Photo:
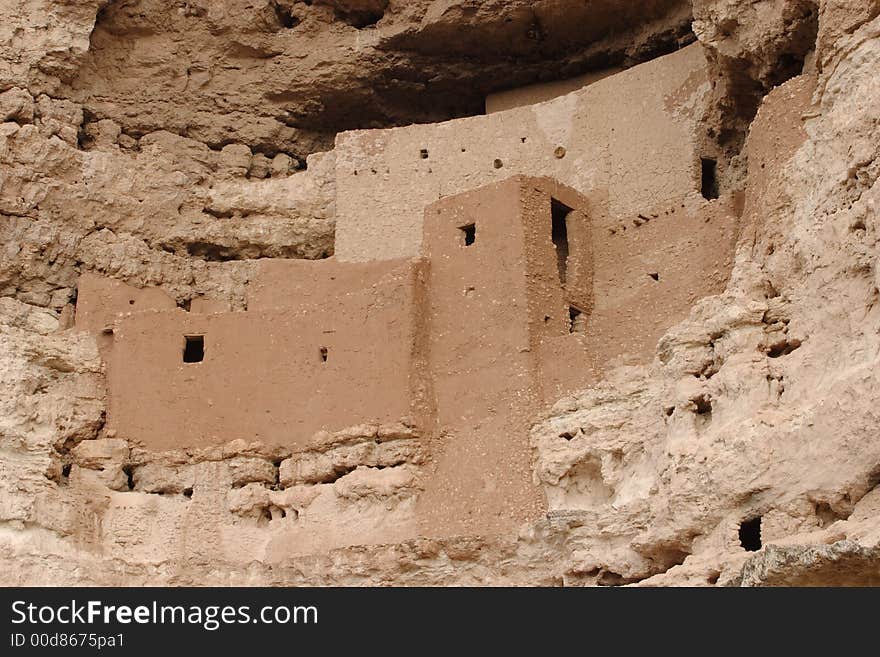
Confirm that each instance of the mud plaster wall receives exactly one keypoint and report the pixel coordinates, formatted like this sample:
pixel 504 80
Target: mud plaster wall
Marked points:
pixel 791 432
pixel 632 134
pixel 473 341
pixel 264 376
pixel 539 93
pixel 478 350
pixel 501 343
pixel 101 300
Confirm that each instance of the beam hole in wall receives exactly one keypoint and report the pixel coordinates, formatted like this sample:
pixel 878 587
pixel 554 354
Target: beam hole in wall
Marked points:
pixel 131 302
pixel 468 234
pixel 423 153
pixel 498 164
pixel 559 212
pixel 577 321
pixel 324 354
pixel 750 534
pixel 655 276
pixel 194 348
pixel 709 184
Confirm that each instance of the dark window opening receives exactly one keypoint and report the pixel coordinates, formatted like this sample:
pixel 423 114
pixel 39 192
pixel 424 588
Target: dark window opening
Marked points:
pixel 577 320
pixel 750 534
pixel 324 353
pixel 128 470
pixel 702 405
pixel 285 16
pixel 470 234
pixel 194 349
pixel 559 213
pixel 783 347
pixel 360 19
pixel 709 184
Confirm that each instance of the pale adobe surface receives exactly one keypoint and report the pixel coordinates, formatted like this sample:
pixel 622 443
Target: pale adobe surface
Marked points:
pixel 792 432
pixel 275 377
pixel 543 91
pixel 633 135
pixel 491 304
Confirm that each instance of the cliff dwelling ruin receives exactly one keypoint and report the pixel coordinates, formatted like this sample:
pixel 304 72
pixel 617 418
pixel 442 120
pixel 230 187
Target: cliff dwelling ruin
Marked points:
pixel 439 292
pixel 458 317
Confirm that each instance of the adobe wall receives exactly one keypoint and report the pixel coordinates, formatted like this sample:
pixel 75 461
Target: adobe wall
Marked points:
pixel 631 134
pixel 688 247
pixel 467 343
pixel 279 283
pixel 501 345
pixel 550 297
pixel 478 353
pixel 632 278
pixel 264 376
pixel 100 300
pixel 544 91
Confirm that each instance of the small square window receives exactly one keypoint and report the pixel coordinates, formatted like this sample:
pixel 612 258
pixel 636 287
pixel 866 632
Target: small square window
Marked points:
pixel 194 349
pixel 469 234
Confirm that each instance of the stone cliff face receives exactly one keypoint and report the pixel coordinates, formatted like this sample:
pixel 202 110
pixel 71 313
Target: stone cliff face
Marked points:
pixel 174 144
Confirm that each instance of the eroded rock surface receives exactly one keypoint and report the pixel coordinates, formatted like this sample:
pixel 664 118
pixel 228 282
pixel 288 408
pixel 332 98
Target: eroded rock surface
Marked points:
pixel 173 144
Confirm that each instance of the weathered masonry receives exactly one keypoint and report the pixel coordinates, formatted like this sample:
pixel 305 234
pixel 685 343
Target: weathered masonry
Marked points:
pixel 325 345
pixel 485 268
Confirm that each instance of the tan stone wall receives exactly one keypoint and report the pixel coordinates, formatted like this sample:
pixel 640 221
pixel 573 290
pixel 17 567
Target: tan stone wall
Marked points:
pixel 281 283
pixel 263 376
pixel 631 134
pixel 539 93
pixel 478 353
pixel 101 300
pixel 466 344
